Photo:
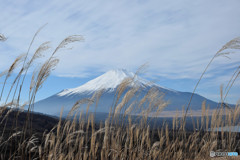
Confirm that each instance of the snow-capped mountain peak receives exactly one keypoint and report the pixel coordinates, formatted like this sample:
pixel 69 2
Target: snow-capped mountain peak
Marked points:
pixel 108 81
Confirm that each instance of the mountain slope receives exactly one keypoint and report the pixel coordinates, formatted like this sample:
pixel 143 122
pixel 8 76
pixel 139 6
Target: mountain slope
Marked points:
pixel 108 83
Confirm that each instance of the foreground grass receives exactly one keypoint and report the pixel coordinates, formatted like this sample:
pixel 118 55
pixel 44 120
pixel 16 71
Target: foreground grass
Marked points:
pixel 78 137
pixel 84 139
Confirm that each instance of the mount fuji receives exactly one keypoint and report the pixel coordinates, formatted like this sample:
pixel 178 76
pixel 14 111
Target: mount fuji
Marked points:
pixel 108 84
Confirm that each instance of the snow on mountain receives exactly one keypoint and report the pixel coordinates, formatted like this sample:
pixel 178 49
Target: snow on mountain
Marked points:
pixel 108 81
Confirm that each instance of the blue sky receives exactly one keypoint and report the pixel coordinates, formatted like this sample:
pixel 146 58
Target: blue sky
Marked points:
pixel 175 38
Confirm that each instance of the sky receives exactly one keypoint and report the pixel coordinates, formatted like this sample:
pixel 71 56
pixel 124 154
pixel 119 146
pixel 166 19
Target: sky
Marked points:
pixel 176 39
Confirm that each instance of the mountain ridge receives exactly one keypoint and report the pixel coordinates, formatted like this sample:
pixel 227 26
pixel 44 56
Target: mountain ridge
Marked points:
pixel 109 82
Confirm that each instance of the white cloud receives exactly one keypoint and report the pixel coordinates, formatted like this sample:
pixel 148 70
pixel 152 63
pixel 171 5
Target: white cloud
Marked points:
pixel 176 38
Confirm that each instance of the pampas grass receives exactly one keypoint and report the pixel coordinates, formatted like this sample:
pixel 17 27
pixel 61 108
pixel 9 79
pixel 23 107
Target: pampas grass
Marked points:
pixel 226 50
pixel 2 37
